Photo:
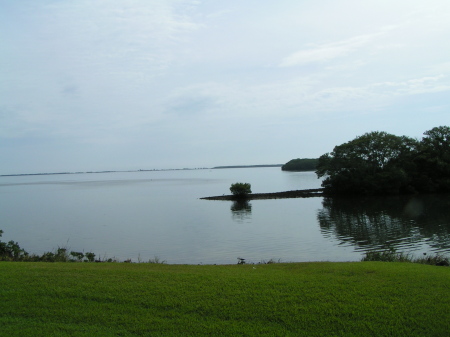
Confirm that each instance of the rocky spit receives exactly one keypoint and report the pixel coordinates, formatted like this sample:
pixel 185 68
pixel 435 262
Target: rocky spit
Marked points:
pixel 318 192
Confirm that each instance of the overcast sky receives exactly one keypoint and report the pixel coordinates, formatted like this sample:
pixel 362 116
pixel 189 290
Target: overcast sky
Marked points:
pixel 144 84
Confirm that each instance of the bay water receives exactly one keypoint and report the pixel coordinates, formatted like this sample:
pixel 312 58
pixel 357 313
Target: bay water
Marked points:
pixel 147 214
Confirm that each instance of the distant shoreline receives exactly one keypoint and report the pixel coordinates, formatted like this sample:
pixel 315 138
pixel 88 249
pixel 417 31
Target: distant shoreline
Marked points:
pixel 97 172
pixel 146 170
pixel 311 193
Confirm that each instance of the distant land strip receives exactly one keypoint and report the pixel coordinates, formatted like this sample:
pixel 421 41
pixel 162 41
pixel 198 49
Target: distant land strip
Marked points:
pixel 146 170
pixel 317 192
pixel 94 172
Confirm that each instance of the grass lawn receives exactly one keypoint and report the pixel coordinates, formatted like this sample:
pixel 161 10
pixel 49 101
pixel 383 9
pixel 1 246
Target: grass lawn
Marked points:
pixel 293 299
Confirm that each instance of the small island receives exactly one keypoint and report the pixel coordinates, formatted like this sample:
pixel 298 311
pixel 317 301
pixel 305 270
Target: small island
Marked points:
pixel 310 193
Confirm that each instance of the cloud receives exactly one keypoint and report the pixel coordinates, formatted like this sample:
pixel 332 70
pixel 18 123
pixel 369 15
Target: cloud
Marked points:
pixel 410 27
pixel 192 105
pixel 329 51
pixel 122 73
pixel 429 84
pixel 113 37
pixel 305 97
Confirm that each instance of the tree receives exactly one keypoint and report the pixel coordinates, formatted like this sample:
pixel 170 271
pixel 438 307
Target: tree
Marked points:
pixel 304 164
pixel 374 163
pixel 240 189
pixel 433 161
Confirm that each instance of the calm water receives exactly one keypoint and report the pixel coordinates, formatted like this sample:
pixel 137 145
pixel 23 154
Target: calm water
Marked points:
pixel 140 215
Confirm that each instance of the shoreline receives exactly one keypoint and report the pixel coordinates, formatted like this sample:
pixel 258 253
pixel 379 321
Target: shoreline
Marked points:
pixel 310 193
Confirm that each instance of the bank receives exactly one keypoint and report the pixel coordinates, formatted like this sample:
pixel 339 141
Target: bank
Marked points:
pixel 286 299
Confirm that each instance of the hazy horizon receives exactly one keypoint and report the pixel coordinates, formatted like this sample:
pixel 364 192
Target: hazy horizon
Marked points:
pixel 142 169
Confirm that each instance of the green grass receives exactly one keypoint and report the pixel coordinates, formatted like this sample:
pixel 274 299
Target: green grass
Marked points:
pixel 294 299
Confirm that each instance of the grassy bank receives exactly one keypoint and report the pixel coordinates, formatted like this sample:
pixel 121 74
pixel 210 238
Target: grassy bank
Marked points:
pixel 298 299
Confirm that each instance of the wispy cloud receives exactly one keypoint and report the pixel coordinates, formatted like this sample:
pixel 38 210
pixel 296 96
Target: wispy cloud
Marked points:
pixel 129 36
pixel 328 51
pixel 429 84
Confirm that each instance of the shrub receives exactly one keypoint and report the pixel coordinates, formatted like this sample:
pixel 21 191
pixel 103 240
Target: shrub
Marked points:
pixel 90 256
pixel 241 189
pixel 390 255
pixel 156 260
pixel 11 251
pixel 77 255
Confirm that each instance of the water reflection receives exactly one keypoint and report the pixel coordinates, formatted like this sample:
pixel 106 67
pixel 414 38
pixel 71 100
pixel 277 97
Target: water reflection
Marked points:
pixel 241 211
pixel 406 223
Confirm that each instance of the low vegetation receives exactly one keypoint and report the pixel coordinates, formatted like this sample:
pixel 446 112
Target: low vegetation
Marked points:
pixel 391 255
pixel 276 299
pixel 241 190
pixel 11 251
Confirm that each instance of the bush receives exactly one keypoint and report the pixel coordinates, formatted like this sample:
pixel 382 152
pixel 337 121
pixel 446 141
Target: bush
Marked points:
pixel 11 251
pixel 241 189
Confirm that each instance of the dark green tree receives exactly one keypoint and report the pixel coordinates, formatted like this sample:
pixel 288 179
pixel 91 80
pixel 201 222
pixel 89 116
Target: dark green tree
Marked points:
pixel 374 163
pixel 304 164
pixel 433 161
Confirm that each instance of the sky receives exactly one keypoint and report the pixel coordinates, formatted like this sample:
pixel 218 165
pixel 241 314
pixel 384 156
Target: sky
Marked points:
pixel 154 84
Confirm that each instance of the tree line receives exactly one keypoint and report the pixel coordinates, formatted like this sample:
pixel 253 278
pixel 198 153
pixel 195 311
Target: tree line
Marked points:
pixel 301 164
pixel 379 163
